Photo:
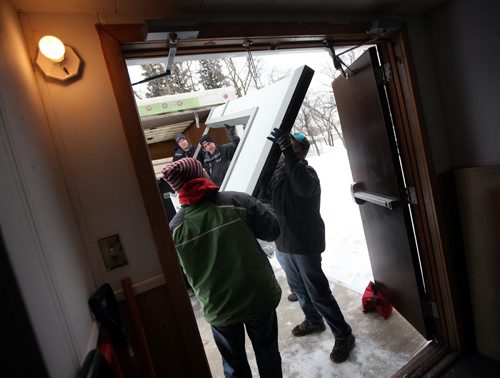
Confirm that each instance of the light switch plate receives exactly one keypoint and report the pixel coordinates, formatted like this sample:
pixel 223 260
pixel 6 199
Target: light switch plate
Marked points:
pixel 112 251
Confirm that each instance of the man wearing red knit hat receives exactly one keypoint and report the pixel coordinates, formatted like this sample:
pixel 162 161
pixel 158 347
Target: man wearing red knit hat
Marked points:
pixel 215 235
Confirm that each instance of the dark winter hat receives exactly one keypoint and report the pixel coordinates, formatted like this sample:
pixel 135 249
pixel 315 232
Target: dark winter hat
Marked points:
pixel 181 171
pixel 302 139
pixel 206 138
pixel 179 136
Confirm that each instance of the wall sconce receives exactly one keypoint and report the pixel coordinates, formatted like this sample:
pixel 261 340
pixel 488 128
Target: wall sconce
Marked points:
pixel 56 60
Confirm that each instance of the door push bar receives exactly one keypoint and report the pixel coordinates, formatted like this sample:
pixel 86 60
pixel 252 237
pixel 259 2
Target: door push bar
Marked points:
pixel 360 197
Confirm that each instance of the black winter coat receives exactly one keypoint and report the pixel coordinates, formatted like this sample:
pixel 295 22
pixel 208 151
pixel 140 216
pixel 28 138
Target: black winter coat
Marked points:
pixel 296 198
pixel 179 153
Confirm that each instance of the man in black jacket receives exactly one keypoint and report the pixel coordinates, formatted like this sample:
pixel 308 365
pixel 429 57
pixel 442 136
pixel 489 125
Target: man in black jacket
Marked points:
pixel 184 149
pixel 218 157
pixel 296 193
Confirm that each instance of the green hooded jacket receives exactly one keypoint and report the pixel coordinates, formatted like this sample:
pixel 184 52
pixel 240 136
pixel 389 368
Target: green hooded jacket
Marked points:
pixel 216 242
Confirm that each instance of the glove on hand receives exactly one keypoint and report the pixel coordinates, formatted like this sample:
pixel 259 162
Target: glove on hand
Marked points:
pixel 281 138
pixel 231 131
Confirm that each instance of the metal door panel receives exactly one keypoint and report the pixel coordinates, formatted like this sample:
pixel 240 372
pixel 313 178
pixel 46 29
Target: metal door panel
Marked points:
pixel 379 188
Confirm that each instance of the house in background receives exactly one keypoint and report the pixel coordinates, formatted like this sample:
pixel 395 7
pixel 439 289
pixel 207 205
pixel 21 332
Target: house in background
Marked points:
pixel 73 168
pixel 163 117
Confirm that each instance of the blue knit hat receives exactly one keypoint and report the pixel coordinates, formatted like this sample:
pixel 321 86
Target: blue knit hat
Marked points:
pixel 302 139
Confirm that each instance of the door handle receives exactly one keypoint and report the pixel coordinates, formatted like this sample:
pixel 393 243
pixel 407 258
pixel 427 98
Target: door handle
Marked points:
pixel 360 197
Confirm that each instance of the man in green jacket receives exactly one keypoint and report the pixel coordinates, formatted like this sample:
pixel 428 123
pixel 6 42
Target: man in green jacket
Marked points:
pixel 215 235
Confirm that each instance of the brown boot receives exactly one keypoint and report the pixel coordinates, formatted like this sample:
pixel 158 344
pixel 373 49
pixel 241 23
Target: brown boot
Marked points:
pixel 342 349
pixel 292 297
pixel 306 328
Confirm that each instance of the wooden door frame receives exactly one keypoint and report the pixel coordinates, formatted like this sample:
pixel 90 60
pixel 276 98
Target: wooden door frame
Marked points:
pixel 409 125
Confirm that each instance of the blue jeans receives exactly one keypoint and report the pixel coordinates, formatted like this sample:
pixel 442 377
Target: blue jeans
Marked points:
pixel 307 280
pixel 263 333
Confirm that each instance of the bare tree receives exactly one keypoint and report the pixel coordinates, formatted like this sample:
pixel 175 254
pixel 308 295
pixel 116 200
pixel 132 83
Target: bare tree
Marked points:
pixel 306 125
pixel 348 58
pixel 179 81
pixel 242 76
pixel 325 115
pixel 277 74
pixel 210 74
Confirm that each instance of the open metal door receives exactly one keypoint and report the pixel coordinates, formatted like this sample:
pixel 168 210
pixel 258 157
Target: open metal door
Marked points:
pixel 379 188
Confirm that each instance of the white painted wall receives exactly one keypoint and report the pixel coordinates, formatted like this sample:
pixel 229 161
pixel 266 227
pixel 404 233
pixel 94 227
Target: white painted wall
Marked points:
pixel 94 155
pixel 67 179
pixel 36 218
pixel 457 56
pixel 428 85
pixel 466 35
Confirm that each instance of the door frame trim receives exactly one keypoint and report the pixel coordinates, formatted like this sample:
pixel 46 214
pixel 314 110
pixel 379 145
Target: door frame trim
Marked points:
pixel 419 173
pixel 404 100
pixel 181 305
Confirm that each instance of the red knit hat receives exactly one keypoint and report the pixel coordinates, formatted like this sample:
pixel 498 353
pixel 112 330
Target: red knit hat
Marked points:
pixel 181 171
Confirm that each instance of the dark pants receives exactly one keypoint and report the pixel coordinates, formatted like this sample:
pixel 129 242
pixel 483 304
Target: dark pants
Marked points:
pixel 307 280
pixel 263 333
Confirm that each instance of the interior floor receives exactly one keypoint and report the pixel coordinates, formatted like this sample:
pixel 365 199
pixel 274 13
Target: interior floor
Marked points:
pixel 382 346
pixel 472 365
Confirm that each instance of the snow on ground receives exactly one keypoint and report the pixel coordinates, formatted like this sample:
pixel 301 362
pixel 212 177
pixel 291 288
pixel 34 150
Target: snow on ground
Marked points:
pixel 346 257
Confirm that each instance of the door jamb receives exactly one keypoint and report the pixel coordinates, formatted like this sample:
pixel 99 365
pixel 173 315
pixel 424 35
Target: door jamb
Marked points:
pixel 420 174
pixel 181 305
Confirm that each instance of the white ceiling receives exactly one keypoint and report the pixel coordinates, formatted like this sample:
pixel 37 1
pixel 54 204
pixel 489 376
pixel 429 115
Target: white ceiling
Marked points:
pixel 211 8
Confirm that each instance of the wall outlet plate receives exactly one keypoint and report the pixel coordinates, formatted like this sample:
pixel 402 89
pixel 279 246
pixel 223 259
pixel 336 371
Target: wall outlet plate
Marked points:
pixel 112 252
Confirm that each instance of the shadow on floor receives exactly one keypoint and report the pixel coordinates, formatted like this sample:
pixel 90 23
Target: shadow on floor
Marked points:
pixel 382 346
pixel 473 366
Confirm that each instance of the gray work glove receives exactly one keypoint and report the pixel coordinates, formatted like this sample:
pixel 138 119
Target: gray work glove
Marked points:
pixel 231 131
pixel 281 138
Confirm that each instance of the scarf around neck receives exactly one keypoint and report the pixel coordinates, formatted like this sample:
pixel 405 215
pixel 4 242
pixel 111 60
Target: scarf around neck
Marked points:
pixel 196 190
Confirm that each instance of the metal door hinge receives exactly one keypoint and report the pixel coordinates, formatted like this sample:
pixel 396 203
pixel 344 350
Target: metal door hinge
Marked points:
pixel 383 74
pixel 411 195
pixel 430 309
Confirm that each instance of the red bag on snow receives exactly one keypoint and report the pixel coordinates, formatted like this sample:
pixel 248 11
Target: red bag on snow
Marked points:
pixel 373 300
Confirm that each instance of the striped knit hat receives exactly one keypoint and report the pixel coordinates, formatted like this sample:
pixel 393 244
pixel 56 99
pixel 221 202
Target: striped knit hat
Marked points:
pixel 181 171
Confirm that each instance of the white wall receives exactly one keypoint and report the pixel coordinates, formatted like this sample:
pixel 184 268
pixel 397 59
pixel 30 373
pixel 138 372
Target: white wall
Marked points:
pixel 428 85
pixel 67 179
pixel 93 152
pixel 37 221
pixel 466 43
pixel 456 54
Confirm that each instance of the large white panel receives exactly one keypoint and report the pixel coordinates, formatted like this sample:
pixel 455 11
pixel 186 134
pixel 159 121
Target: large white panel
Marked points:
pixel 260 111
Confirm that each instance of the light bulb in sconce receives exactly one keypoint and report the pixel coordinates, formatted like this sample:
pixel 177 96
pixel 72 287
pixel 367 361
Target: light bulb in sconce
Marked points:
pixel 56 60
pixel 52 48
